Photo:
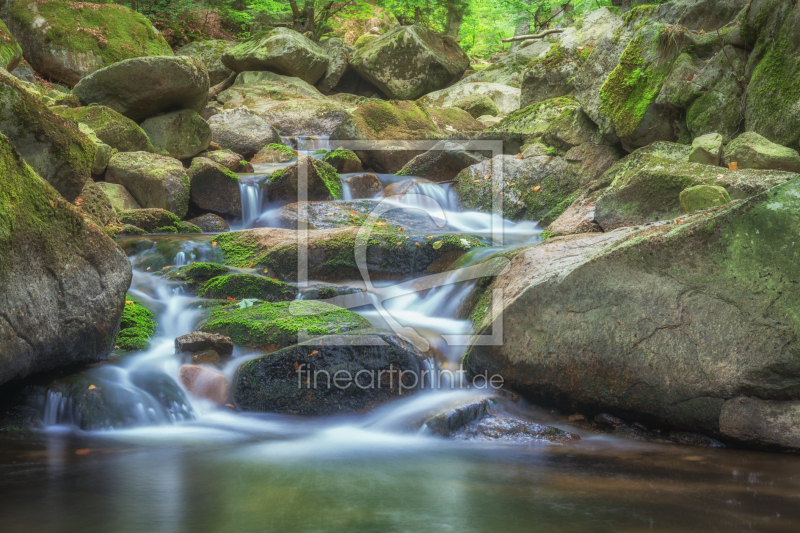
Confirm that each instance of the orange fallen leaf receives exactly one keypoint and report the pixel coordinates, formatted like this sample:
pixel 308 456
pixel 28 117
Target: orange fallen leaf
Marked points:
pixel 537 188
pixel 380 224
pixel 92 387
pixel 230 405
pixel 488 177
pixel 734 165
pixel 518 156
pixel 416 244
pixel 213 243
pixel 314 353
pixel 296 366
pixel 702 32
pixel 83 451
pixel 229 298
pixel 678 221
pixel 401 229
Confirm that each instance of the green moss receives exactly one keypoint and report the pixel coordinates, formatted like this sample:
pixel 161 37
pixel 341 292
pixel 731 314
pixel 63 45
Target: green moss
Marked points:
pixel 283 149
pixel 272 326
pixel 364 40
pixel 196 274
pixel 110 127
pixel 137 326
pixel 331 178
pixel 240 286
pixel 332 157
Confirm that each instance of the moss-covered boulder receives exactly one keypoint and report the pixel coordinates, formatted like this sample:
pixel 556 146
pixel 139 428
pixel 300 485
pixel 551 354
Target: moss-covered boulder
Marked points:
pixel 373 366
pixel 400 121
pixel 242 286
pixel 10 51
pixel 210 52
pixel 477 106
pixel 536 119
pixel 344 161
pixel 363 185
pixel 261 91
pixel 587 322
pixel 322 181
pixel 142 87
pixel 410 61
pixel 55 266
pixel 181 134
pixel 506 99
pixel 155 181
pixel 55 148
pixel 751 150
pixel 210 223
pixel 338 64
pixel 195 275
pixel 67 41
pixel 703 197
pixel 646 188
pixel 305 117
pixel 273 326
pixel 332 253
pixel 364 40
pixel 274 153
pixel 214 187
pixel 707 149
pixel 137 326
pixel 443 162
pixel 103 154
pixel 156 221
pixel 229 159
pixel 279 50
pixel 118 196
pixel 242 131
pixel 95 204
pixel 113 129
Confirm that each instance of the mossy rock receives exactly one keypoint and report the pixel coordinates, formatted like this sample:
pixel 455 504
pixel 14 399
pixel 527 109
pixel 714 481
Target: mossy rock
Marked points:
pixel 137 326
pixel 54 148
pixel 95 204
pixel 751 150
pixel 104 152
pixel 535 119
pixel 196 274
pixel 384 365
pixel 242 286
pixel 156 221
pixel 67 41
pixel 274 153
pixel 272 326
pixel 242 131
pixel 55 265
pixel 706 149
pixel 210 52
pixel 10 51
pixel 477 106
pixel 180 134
pixel 261 91
pixel 305 116
pixel 344 161
pixel 210 223
pixel 214 187
pixel 113 129
pixel 364 40
pixel 155 181
pixel 323 181
pixel 703 197
pixel 506 99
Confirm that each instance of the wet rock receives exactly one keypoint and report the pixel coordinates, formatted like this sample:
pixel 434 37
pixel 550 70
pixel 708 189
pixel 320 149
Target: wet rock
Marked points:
pixel 279 50
pixel 274 153
pixel 210 52
pixel 443 162
pixel 230 160
pixel 198 342
pixel 120 198
pixel 513 431
pixel 578 218
pixel 214 188
pixel 364 185
pixel 242 286
pixel 694 439
pixel 322 180
pixel 770 424
pixel 155 181
pixel 242 131
pixel 203 382
pixel 608 421
pixel 448 423
pixel 504 98
pixel 181 134
pixel 373 366
pixel 49 41
pixel 112 128
pixel 205 357
pixel 210 223
pixel 137 326
pixel 273 326
pixel 751 150
pixel 156 221
pixel 326 292
pixel 428 62
pixel 706 149
pixel 305 116
pixel 344 161
pixel 703 197
pixel 196 274
pixel 142 87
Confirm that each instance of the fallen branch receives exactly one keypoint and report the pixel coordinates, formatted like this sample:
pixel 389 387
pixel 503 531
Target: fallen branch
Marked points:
pixel 533 36
pixel 223 86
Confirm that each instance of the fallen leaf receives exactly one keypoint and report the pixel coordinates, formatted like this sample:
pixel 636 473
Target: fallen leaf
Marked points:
pixel 702 32
pixel 230 405
pixel 518 156
pixel 213 243
pixel 380 224
pixel 488 177
pixel 416 244
pixel 83 451
pixel 296 366
pixel 314 353
pixel 92 387
pixel 437 245
pixel 537 188
pixel 401 229
pixel 229 298
pixel 733 166
pixel 678 221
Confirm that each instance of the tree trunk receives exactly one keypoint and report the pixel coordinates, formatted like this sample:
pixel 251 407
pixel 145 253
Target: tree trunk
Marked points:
pixel 417 15
pixel 455 16
pixel 523 27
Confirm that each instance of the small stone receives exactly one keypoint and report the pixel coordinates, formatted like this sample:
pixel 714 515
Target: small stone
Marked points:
pixel 206 357
pixel 607 420
pixel 364 185
pixel 199 341
pixel 202 382
pixel 210 223
pixel 577 418
pixel 706 149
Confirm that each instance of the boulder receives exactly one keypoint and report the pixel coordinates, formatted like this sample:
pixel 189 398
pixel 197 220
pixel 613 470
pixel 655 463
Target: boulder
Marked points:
pixel 214 187
pixel 191 277
pixel 364 40
pixel 247 286
pixel 118 196
pixel 508 430
pixel 68 41
pixel 588 321
pixel 322 181
pixel 332 252
pixel 206 357
pixel 210 223
pixel 350 373
pixel 305 117
pixel 410 61
pixel 261 91
pixel 156 221
pixel 205 383
pixel 230 160
pixel 337 64
pixel 95 204
pixel 10 51
pixel 706 149
pixel 113 129
pixel 210 52
pixel 443 162
pixel 364 186
pixel 155 181
pixel 274 153
pixel 273 326
pixel 56 150
pixel 63 279
pixel 279 50
pixel 703 197
pixel 551 74
pixel 103 154
pixel 348 213
pixel 136 327
pixel 181 134
pixel 646 188
pixel 477 106
pixel 344 161
pixel 242 131
pixel 751 150
pixel 24 72
pixel 506 99
pixel 146 86
pixel 199 341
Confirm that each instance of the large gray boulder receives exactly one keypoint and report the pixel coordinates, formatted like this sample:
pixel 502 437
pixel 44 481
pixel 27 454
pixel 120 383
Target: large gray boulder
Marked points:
pixel 214 188
pixel 751 150
pixel 306 117
pixel 410 61
pixel 142 87
pixel 64 281
pixel 688 325
pixel 242 131
pixel 504 97
pixel 279 50
pixel 210 52
pixel 155 181
pixel 338 64
pixel 68 41
pixel 181 134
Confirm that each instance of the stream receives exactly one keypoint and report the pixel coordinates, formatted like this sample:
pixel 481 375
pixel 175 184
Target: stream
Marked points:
pixel 196 467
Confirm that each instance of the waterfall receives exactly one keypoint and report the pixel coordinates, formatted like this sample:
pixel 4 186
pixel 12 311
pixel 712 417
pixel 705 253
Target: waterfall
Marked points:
pixel 252 199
